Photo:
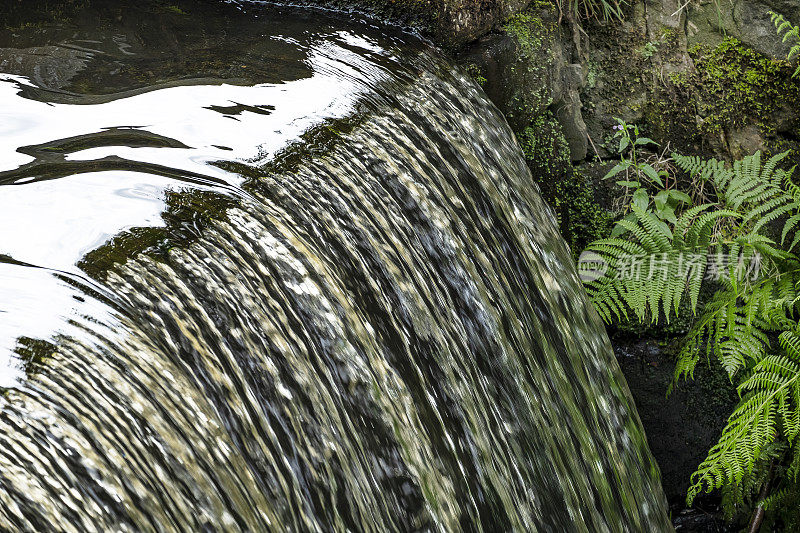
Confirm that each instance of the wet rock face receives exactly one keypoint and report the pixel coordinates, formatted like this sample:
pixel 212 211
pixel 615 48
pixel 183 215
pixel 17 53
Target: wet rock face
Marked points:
pixel 48 66
pixel 526 68
pixel 680 427
pixel 450 23
pixel 747 20
pixel 708 78
pixel 462 21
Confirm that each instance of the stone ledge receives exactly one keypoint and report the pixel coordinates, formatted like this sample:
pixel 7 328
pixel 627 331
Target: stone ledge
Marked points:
pixel 449 23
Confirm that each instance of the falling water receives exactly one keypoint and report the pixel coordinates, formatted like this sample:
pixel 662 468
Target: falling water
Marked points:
pixel 269 270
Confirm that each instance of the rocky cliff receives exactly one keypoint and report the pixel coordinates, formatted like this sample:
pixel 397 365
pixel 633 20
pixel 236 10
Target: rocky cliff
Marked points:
pixel 706 78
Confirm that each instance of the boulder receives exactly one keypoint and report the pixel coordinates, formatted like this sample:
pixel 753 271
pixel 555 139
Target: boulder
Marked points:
pixel 526 69
pixel 747 20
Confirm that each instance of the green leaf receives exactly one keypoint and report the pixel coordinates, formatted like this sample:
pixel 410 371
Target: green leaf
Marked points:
pixel 651 173
pixel 663 228
pixel 661 200
pixel 644 140
pixel 667 213
pixel 641 199
pixel 623 143
pixel 679 196
pixel 629 184
pixel 617 169
pixel 620 229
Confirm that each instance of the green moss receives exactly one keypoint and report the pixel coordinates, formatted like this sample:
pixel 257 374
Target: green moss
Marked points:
pixel 547 152
pixel 736 86
pixel 616 84
pixel 476 73
pixel 15 16
pixel 670 41
pixel 733 87
pixel 545 148
pixel 649 49
pixel 591 75
pixel 173 9
pixel 580 218
pixel 33 353
pixel 533 36
pixel 669 117
pixel 187 214
pixel 527 28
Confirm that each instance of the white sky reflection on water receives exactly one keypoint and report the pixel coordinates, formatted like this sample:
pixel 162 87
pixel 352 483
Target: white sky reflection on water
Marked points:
pixel 36 304
pixel 180 113
pixel 95 207
pixel 54 223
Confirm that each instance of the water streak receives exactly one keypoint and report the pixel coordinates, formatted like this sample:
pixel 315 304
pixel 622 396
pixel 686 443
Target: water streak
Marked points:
pixel 367 323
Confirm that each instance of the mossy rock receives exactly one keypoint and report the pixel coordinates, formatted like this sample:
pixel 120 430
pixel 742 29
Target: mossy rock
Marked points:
pixel 710 22
pixel 515 66
pixel 450 23
pixel 15 14
pixel 572 194
pixel 735 102
pixel 738 85
pixel 619 78
pixel 525 68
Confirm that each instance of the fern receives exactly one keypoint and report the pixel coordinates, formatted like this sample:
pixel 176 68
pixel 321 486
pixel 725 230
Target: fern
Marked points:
pixel 791 33
pixel 745 240
pixel 770 406
pixel 652 278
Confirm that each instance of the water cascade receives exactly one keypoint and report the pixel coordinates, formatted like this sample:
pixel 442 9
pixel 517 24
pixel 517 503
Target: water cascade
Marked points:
pixel 263 269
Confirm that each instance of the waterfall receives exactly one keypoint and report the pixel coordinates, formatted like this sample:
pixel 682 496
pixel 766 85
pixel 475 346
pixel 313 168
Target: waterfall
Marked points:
pixel 363 318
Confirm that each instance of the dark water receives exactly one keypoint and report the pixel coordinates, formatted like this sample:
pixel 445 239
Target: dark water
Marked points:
pixel 270 270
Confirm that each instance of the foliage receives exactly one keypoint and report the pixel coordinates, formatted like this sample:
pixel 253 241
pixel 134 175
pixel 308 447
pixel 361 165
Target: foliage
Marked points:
pixel 637 172
pixel 591 9
pixel 790 33
pixel 649 49
pixel 735 86
pixel 742 241
pixel 619 291
pixel 580 218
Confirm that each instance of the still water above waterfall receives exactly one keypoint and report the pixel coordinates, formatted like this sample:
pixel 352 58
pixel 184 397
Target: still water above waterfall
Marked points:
pixel 266 269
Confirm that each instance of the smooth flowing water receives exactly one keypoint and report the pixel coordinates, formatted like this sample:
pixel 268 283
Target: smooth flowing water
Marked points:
pixel 272 270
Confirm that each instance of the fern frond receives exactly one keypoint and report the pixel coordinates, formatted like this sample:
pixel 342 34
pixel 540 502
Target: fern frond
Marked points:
pixel 770 406
pixel 791 33
pixel 699 234
pixel 749 429
pixel 790 224
pixel 703 169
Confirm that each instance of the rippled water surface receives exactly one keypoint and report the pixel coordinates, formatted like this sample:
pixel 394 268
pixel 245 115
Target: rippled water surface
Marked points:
pixel 264 269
